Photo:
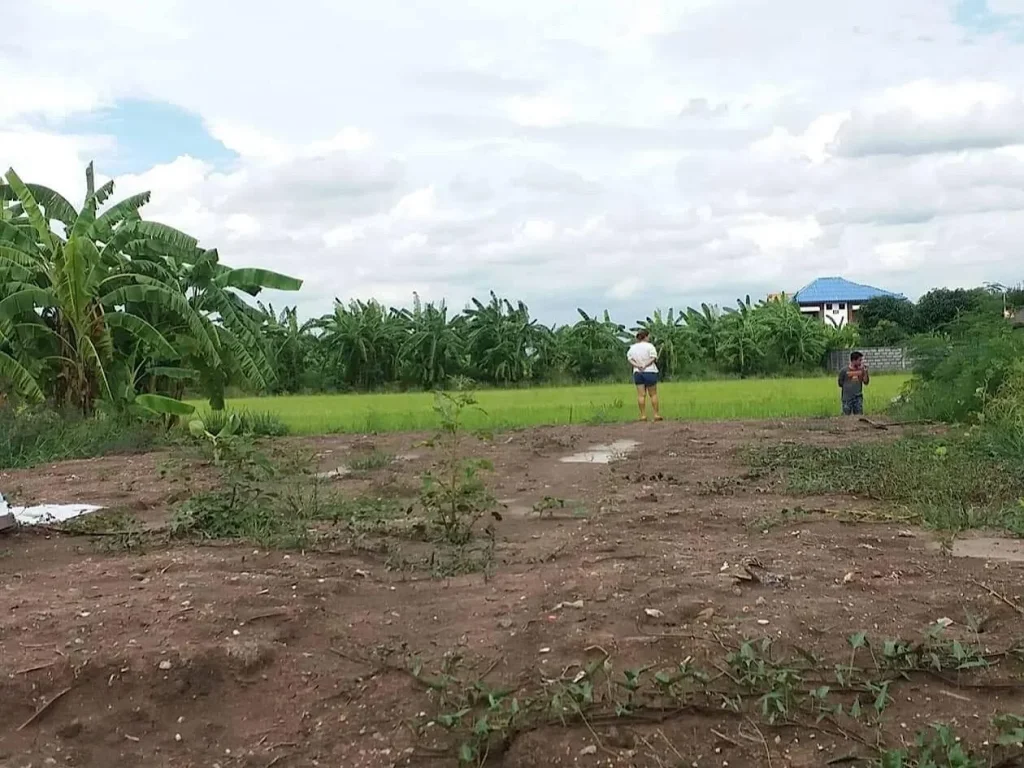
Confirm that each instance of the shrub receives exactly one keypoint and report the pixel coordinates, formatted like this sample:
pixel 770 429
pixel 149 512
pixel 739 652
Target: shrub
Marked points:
pixel 959 372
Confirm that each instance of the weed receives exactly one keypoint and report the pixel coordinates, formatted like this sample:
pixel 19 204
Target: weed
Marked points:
pixel 453 496
pixel 248 503
pixel 482 719
pixel 371 461
pixel 953 483
pixel 366 514
pixel 549 504
pixel 770 520
pixel 116 530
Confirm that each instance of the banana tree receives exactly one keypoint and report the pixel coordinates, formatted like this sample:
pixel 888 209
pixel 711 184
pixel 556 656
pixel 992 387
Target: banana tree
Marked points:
pixel 68 290
pixel 597 347
pixel 743 333
pixel 504 342
pixel 289 346
pixel 675 339
pixel 230 325
pixel 363 342
pixel 797 340
pixel 434 347
pixel 706 325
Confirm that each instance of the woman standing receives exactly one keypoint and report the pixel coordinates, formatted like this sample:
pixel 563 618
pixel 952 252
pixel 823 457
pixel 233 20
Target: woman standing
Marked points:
pixel 643 357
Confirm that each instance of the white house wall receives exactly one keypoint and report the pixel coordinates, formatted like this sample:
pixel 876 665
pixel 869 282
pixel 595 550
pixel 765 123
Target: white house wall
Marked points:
pixel 836 314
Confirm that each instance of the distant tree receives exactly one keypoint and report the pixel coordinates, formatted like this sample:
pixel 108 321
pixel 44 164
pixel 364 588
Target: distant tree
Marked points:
pixel 886 333
pixel 941 306
pixel 888 309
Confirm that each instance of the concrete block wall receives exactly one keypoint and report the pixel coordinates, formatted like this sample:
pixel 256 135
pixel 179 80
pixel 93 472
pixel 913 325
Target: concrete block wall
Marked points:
pixel 878 359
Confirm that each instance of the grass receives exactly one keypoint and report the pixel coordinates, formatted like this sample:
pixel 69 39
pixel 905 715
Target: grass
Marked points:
pixel 953 483
pixel 692 401
pixel 39 436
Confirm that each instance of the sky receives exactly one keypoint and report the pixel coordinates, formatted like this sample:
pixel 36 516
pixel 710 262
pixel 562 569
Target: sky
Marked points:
pixel 619 154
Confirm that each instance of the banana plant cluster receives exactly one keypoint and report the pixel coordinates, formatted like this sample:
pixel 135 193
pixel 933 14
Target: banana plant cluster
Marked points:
pixel 364 345
pixel 97 304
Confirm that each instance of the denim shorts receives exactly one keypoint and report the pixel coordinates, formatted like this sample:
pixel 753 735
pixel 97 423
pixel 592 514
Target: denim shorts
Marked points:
pixel 645 379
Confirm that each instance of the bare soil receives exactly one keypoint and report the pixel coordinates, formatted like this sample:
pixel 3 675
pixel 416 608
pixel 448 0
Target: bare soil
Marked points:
pixel 230 655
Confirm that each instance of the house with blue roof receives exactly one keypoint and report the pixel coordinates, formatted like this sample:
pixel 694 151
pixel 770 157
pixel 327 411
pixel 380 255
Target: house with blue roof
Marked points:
pixel 836 301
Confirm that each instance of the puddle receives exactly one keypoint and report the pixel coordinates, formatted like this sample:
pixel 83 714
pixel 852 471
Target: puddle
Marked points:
pixel 1009 550
pixel 602 454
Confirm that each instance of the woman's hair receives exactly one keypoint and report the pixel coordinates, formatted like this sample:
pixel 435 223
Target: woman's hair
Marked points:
pixel 642 335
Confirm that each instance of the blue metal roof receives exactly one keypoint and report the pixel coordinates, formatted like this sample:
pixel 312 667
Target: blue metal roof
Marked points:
pixel 838 289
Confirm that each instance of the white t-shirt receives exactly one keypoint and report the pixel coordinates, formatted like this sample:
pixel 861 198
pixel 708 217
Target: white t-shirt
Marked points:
pixel 642 356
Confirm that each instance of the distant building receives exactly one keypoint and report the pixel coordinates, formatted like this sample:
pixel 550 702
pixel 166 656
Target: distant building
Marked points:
pixel 836 301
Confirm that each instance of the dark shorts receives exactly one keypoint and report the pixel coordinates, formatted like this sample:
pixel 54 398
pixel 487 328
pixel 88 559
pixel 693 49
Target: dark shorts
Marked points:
pixel 648 380
pixel 854 406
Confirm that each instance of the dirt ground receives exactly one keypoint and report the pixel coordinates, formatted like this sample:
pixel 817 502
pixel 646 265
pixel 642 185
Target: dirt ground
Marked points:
pixel 230 655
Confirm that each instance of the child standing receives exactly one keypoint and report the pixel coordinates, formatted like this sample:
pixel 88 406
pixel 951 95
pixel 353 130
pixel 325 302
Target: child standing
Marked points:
pixel 852 381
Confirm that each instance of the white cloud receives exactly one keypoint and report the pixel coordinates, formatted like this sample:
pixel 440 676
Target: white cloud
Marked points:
pixel 927 116
pixel 660 152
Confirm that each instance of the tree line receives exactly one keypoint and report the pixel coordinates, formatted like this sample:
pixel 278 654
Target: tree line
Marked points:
pixel 363 345
pixel 98 305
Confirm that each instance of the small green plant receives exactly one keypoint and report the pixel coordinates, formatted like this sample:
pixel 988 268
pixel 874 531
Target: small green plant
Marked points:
pixel 936 747
pixel 453 495
pixel 247 422
pixel 771 520
pixel 371 461
pixel 218 436
pixel 482 719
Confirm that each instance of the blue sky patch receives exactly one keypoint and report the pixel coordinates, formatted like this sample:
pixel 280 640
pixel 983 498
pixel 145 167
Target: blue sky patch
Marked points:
pixel 977 16
pixel 147 133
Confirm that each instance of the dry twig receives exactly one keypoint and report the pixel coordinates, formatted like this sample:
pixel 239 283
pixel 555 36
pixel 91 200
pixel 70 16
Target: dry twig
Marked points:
pixel 44 709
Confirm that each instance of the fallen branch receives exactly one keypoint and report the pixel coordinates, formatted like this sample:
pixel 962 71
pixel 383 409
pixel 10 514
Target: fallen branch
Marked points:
pixel 998 596
pixel 36 668
pixel 880 425
pixel 44 709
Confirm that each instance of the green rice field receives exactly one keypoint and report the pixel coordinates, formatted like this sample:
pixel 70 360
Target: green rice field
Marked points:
pixel 501 409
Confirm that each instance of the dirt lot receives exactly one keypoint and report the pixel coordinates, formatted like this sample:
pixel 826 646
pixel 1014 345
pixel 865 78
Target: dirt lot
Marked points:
pixel 230 655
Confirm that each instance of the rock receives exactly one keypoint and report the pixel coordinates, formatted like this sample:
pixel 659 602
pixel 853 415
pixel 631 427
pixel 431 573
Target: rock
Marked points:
pixel 164 665
pixel 589 750
pixel 706 614
pixel 654 613
pixel 573 604
pixel 71 730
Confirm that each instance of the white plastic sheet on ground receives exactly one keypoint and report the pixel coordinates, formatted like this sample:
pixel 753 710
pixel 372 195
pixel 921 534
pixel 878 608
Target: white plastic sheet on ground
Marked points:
pixel 46 514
